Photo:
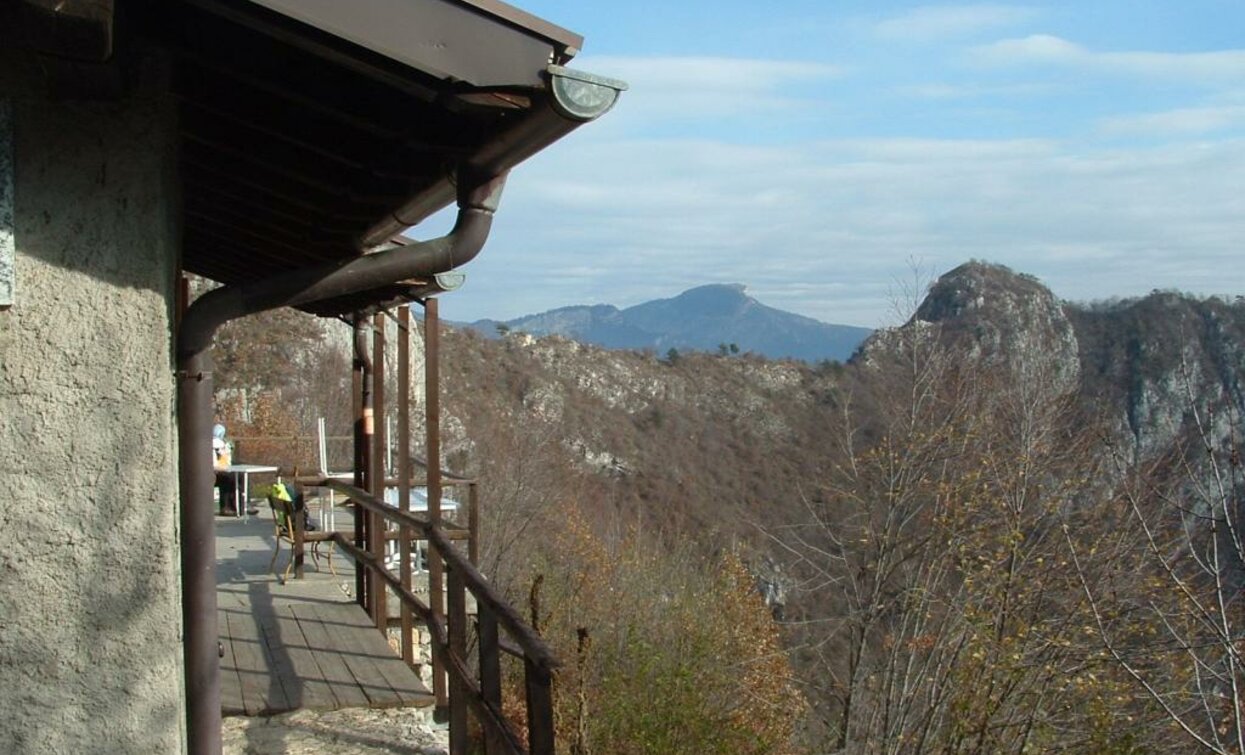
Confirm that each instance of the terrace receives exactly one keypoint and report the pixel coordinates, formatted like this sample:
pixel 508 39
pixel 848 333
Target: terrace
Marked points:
pixel 308 137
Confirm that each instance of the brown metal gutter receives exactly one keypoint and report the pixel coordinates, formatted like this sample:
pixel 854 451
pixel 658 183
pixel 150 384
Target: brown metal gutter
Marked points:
pixel 477 203
pixel 553 117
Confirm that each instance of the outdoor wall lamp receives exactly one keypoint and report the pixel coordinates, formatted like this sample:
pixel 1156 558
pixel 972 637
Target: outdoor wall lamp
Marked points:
pixel 583 96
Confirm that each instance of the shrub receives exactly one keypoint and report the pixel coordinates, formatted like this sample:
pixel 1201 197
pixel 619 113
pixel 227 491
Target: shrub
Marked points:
pixel 684 656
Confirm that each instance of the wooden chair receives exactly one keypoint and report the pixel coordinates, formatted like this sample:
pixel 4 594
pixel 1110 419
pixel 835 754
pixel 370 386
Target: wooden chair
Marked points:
pixel 288 526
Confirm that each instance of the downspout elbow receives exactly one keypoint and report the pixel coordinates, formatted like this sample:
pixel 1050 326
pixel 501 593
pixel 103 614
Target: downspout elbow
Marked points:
pixel 477 202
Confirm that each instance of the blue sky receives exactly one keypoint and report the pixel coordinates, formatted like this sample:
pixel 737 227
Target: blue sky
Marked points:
pixel 814 151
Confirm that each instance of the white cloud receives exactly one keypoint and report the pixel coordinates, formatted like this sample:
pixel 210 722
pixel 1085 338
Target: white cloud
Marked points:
pixel 1035 47
pixel 823 228
pixel 1182 121
pixel 947 91
pixel 936 22
pixel 1202 67
pixel 717 74
pixel 1215 68
pixel 665 89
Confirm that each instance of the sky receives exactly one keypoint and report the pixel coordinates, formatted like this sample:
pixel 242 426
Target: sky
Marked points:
pixel 828 154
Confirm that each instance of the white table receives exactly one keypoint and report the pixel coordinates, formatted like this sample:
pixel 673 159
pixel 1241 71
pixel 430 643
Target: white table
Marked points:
pixel 419 505
pixel 242 493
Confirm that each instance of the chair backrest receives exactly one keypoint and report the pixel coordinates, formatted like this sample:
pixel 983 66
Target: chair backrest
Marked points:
pixel 282 515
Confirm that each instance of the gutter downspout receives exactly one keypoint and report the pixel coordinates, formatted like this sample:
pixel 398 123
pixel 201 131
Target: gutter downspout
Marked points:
pixel 574 98
pixel 478 196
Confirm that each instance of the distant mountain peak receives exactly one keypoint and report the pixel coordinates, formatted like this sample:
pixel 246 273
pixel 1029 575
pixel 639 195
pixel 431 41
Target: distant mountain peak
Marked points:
pixel 712 300
pixel 723 288
pixel 703 318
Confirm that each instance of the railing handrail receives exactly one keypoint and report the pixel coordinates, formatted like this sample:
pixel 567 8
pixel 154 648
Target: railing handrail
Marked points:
pixel 317 481
pixel 447 477
pixel 441 636
pixel 534 647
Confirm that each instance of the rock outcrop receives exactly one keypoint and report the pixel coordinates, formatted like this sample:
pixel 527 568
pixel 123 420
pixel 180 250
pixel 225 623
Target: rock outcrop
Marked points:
pixel 1147 369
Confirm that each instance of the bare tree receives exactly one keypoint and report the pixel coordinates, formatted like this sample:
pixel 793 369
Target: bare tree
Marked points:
pixel 1165 588
pixel 939 610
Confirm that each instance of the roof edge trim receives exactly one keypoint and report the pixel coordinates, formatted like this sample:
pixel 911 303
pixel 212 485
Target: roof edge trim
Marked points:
pixel 571 42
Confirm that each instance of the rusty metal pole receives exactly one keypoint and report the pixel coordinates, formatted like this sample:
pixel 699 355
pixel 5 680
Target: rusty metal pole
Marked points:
pixel 377 525
pixel 404 473
pixel 183 299
pixel 432 406
pixel 362 432
pixel 198 553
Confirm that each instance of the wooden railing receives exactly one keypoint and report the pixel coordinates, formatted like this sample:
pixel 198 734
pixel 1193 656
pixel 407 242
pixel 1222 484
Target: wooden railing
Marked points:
pixel 480 695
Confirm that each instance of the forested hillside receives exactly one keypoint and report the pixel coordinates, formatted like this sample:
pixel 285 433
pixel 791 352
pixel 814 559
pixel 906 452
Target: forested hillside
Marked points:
pixel 1009 524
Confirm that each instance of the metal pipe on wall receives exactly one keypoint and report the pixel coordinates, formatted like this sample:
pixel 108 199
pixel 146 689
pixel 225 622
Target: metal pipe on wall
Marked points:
pixel 198 554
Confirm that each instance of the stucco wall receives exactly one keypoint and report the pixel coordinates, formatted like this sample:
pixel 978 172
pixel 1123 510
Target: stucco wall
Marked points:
pixel 90 657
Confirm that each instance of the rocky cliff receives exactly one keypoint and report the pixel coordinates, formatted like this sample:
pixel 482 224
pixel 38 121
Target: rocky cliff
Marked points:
pixel 1147 369
pixel 716 441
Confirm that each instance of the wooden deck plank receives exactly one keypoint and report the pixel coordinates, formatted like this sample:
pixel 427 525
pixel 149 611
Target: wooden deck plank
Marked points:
pixel 280 666
pixel 384 676
pixel 311 687
pixel 245 669
pixel 328 655
pixel 350 643
pixel 246 666
pixel 263 690
pixel 304 644
pixel 282 687
pixel 232 701
pixel 401 677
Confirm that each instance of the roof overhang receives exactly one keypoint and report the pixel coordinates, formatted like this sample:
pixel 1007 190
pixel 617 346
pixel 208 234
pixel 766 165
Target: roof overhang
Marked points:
pixel 315 131
pixel 481 43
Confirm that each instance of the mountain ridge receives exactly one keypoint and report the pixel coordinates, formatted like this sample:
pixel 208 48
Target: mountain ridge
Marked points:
pixel 701 318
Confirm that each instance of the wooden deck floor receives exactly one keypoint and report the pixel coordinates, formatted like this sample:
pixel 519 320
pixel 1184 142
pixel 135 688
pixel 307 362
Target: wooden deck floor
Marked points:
pixel 304 644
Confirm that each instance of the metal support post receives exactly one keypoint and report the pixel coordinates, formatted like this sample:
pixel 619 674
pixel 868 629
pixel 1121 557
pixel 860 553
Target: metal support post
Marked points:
pixel 432 404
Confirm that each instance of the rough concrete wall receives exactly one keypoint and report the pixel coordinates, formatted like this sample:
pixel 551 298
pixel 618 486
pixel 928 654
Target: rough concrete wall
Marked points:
pixel 90 620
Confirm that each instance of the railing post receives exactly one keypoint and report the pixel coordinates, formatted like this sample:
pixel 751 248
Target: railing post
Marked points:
pixel 362 442
pixel 377 526
pixel 432 405
pixel 456 617
pixel 539 684
pixel 490 667
pixel 451 630
pixel 297 530
pixel 473 523
pixel 404 474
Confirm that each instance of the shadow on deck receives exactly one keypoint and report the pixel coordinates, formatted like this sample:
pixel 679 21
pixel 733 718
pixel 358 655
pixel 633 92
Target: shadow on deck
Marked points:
pixel 301 645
